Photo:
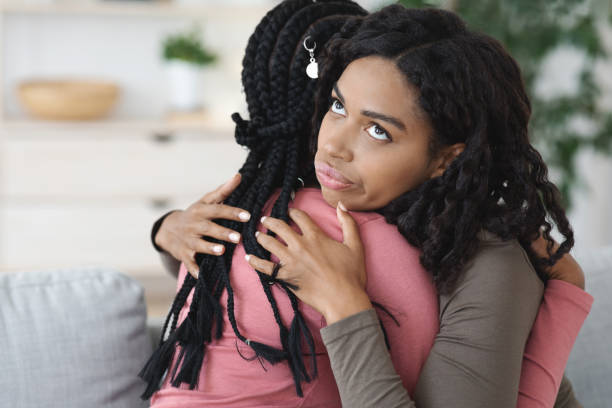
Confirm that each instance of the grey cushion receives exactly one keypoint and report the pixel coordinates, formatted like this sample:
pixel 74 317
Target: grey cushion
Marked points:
pixel 72 338
pixel 590 364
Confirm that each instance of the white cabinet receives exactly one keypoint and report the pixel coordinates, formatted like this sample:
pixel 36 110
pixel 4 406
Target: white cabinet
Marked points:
pixel 84 193
pixel 83 197
pixel 124 165
pixel 89 195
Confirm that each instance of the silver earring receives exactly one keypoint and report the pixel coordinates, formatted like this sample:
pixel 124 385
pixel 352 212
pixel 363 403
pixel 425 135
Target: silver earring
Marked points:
pixel 312 70
pixel 293 191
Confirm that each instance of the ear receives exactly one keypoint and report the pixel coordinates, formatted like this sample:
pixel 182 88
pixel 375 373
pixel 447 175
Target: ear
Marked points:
pixel 445 158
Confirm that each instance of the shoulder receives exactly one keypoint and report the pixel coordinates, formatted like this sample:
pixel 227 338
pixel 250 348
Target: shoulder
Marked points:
pixel 498 275
pixel 498 260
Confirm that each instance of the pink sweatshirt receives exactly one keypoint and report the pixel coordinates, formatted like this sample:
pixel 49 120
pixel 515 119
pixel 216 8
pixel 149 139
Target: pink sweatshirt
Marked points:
pixel 395 279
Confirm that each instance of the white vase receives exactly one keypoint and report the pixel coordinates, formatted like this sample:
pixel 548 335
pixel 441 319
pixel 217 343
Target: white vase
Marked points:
pixel 184 85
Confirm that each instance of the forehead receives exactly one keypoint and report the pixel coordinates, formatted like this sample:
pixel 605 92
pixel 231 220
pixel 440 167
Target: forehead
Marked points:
pixel 375 83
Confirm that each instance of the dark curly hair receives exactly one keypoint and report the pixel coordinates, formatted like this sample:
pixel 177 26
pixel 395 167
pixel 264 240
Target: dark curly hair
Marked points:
pixel 279 96
pixel 472 92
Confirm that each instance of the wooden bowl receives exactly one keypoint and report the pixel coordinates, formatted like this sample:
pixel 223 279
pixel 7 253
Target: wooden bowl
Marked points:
pixel 68 99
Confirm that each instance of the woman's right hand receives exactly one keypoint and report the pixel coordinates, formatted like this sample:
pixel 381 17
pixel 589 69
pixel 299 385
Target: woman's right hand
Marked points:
pixel 181 232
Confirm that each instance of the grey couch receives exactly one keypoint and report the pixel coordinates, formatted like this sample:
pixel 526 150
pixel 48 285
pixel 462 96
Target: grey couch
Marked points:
pixel 72 338
pixel 78 337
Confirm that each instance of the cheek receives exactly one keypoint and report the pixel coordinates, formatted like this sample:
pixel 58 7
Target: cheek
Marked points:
pixel 391 175
pixel 324 130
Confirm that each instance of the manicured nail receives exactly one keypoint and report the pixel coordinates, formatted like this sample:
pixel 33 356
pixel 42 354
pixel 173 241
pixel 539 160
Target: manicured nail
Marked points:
pixel 247 257
pixel 342 207
pixel 257 233
pixel 262 219
pixel 218 248
pixel 234 236
pixel 244 216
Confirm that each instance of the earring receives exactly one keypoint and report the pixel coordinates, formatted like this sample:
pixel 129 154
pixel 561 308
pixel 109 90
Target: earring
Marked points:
pixel 312 70
pixel 301 180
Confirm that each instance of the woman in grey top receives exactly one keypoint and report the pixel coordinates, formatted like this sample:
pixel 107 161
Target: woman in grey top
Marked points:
pixel 468 118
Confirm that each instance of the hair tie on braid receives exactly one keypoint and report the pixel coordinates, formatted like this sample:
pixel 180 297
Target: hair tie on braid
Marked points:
pixel 249 132
pixel 246 133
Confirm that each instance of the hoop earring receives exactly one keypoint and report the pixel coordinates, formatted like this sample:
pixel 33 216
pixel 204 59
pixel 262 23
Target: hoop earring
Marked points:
pixel 312 70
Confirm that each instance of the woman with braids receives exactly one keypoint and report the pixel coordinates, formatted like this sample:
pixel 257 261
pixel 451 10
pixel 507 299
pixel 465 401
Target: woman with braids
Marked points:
pixel 448 215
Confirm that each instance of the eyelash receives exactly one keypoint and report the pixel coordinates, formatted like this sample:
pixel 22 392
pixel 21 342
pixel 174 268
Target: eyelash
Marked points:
pixel 333 100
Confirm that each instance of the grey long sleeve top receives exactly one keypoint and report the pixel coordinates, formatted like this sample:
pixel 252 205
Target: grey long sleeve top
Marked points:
pixel 476 357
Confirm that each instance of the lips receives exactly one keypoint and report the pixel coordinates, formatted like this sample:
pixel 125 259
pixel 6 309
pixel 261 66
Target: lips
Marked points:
pixel 331 177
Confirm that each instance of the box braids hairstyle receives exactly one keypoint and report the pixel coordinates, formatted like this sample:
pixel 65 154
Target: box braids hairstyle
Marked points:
pixel 280 100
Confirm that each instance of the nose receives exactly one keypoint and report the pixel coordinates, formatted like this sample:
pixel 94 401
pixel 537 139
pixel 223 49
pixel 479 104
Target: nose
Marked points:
pixel 338 143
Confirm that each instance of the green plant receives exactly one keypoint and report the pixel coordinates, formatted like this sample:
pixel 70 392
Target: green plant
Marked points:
pixel 531 30
pixel 188 47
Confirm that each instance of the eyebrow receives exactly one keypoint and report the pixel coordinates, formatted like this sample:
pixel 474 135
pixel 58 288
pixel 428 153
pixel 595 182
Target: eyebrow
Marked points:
pixel 376 115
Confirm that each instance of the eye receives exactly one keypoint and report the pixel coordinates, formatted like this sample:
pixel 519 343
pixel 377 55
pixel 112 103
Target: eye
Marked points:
pixel 337 107
pixel 379 133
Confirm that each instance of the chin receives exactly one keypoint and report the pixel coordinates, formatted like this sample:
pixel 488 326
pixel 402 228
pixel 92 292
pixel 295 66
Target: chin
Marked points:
pixel 330 196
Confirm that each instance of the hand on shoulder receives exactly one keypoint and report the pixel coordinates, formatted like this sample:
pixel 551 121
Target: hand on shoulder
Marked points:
pixel 566 268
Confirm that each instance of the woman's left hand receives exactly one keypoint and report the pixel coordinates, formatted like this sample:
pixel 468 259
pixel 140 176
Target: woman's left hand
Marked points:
pixel 326 274
pixel 565 269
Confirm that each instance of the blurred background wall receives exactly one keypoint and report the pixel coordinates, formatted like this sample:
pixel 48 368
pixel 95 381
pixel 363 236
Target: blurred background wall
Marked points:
pixel 86 189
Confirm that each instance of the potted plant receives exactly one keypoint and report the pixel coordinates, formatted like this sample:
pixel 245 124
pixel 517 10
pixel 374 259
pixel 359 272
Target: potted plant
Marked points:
pixel 185 57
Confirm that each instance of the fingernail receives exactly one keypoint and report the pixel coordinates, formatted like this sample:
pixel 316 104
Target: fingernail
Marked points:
pixel 247 257
pixel 244 216
pixel 342 207
pixel 262 219
pixel 256 233
pixel 234 236
pixel 218 249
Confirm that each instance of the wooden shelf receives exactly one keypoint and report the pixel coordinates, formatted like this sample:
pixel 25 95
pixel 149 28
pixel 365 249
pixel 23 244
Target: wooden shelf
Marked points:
pixel 204 123
pixel 162 9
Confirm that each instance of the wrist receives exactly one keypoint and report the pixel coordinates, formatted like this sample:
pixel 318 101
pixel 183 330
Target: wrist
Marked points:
pixel 568 270
pixel 156 238
pixel 355 303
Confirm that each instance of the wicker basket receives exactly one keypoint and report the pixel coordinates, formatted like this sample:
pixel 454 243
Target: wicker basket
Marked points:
pixel 68 99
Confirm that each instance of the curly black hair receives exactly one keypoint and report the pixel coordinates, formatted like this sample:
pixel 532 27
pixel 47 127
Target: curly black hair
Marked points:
pixel 472 92
pixel 279 97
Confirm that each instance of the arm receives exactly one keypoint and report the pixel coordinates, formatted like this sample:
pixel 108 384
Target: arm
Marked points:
pixel 170 263
pixel 562 312
pixel 361 363
pixel 179 234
